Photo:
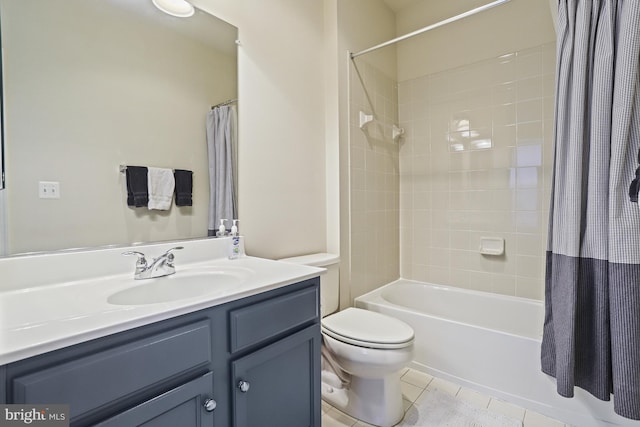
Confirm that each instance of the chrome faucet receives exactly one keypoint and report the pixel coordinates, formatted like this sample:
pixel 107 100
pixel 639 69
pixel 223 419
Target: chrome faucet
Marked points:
pixel 161 266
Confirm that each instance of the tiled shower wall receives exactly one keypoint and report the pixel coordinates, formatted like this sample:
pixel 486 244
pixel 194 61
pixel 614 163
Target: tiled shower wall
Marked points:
pixel 475 162
pixel 374 180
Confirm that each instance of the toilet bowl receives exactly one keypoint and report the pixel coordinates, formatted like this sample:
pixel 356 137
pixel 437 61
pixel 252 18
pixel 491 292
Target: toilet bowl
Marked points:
pixel 363 353
pixel 371 348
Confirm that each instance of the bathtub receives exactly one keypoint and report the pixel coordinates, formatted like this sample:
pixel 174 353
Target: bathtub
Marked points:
pixel 486 342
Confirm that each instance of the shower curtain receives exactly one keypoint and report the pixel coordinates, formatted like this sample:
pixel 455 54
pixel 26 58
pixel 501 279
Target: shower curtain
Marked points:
pixel 592 292
pixel 221 141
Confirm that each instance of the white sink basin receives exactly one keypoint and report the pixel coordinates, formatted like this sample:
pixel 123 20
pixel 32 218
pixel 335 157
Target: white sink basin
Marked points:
pixel 183 284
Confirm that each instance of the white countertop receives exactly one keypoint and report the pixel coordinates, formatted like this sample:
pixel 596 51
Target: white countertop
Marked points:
pixel 38 319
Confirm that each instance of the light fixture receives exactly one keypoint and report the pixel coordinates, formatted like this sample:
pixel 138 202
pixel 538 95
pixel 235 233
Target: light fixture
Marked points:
pixel 179 8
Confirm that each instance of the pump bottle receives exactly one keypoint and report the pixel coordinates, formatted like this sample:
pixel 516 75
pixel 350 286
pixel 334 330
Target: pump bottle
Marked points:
pixel 222 230
pixel 234 245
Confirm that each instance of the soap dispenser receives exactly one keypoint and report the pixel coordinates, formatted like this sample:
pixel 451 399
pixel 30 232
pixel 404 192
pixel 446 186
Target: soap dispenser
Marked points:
pixel 234 245
pixel 222 230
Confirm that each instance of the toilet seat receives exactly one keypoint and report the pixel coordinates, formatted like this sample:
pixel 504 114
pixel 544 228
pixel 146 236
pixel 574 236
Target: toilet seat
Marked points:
pixel 369 329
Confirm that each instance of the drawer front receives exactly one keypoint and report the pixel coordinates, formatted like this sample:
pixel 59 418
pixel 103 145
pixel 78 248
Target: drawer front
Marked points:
pixel 92 381
pixel 264 320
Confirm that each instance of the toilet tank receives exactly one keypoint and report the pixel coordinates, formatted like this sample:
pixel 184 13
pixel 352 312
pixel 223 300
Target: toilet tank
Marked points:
pixel 329 282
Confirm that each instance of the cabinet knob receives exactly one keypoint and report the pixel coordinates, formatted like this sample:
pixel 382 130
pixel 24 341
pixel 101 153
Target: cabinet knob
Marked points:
pixel 244 386
pixel 210 405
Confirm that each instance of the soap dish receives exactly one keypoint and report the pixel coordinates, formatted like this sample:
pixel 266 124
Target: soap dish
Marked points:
pixel 492 246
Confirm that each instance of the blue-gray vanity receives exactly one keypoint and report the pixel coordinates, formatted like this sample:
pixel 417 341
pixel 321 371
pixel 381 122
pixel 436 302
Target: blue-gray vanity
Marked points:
pixel 243 358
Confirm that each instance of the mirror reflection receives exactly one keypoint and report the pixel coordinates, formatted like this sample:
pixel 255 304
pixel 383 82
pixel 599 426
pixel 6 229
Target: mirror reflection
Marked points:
pixel 90 85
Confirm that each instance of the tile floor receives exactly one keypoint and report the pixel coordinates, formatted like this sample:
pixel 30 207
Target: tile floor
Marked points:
pixel 414 384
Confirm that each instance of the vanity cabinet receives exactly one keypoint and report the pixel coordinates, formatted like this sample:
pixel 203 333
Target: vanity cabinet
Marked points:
pixel 272 382
pixel 263 393
pixel 237 364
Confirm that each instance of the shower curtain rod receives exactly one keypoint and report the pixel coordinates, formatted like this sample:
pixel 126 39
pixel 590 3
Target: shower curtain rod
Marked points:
pixel 431 27
pixel 230 101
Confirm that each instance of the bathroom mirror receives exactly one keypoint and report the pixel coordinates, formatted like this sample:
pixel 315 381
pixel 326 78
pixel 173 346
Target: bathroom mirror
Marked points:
pixel 90 85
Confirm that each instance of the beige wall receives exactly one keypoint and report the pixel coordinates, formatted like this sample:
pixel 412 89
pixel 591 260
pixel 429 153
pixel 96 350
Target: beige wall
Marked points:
pixel 366 23
pixel 513 26
pixel 282 182
pixel 333 58
pixel 152 113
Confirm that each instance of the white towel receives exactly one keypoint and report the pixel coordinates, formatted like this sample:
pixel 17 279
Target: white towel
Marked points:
pixel 161 184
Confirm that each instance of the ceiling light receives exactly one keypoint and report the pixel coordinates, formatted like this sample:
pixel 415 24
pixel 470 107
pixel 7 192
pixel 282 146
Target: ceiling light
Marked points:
pixel 179 8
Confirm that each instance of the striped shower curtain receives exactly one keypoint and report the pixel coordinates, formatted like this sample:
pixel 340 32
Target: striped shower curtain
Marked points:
pixel 592 296
pixel 221 142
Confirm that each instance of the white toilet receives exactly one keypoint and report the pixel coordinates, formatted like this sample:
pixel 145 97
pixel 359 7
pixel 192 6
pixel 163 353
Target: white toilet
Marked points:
pixel 363 352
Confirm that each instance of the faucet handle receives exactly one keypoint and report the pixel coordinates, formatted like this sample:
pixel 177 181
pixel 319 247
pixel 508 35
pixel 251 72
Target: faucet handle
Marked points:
pixel 141 263
pixel 170 255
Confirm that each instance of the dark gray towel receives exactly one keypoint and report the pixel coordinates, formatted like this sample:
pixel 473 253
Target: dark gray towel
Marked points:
pixel 137 186
pixel 184 187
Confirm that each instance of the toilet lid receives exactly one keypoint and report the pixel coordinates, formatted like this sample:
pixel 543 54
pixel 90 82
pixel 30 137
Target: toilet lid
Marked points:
pixel 367 329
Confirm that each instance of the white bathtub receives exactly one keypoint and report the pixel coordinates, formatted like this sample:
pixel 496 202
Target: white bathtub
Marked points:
pixel 487 342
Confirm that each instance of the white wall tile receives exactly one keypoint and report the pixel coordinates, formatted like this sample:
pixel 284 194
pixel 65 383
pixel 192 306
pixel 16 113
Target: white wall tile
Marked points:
pixel 504 135
pixel 474 162
pixel 531 88
pixel 375 181
pixel 529 63
pixel 529 111
pixel 504 93
pixel 503 284
pixel 504 115
pixel 529 266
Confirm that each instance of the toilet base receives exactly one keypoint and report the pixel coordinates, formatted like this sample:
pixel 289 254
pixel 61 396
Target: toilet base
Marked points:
pixel 376 401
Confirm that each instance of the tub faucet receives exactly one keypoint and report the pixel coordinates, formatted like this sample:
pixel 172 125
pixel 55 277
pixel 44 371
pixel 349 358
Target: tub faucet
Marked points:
pixel 161 266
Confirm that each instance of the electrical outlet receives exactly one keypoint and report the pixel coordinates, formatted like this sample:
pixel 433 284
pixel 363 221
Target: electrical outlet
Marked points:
pixel 49 189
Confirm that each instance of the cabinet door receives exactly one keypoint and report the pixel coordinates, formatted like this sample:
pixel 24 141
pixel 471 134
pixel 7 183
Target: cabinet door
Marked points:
pixel 280 383
pixel 183 406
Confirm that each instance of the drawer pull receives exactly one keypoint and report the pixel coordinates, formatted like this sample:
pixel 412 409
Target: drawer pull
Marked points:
pixel 210 405
pixel 244 386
